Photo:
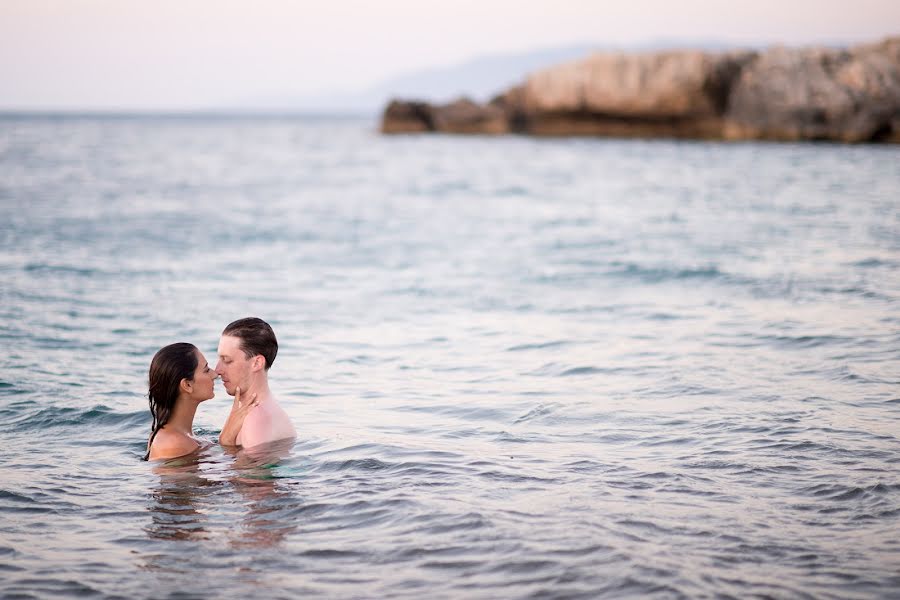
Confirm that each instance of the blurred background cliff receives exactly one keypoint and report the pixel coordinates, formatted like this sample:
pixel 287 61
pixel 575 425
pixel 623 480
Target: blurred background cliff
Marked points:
pixel 790 94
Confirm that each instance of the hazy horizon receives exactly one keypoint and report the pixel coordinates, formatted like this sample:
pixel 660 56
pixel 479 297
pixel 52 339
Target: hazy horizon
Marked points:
pixel 201 55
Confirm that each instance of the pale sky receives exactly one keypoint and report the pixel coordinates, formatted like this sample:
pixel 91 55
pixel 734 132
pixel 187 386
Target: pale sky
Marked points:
pixel 194 54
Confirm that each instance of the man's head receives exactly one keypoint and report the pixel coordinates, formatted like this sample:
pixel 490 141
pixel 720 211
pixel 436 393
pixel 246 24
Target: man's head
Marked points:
pixel 247 350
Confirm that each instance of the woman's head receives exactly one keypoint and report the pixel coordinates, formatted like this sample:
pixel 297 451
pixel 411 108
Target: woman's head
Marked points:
pixel 177 371
pixel 168 368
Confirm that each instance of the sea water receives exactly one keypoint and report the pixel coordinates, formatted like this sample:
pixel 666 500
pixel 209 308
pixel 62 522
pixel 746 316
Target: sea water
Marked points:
pixel 518 367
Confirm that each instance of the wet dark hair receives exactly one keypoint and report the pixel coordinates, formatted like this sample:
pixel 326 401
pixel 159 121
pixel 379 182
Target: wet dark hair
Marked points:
pixel 256 337
pixel 169 366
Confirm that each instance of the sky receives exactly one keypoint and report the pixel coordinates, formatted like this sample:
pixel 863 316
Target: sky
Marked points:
pixel 199 54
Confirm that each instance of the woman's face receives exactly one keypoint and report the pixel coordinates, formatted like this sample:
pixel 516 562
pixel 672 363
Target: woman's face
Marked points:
pixel 204 379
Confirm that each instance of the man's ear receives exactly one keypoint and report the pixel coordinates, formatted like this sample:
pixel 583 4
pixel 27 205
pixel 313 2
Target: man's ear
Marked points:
pixel 259 361
pixel 186 386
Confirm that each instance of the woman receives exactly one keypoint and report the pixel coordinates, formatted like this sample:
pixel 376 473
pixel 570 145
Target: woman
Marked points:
pixel 180 379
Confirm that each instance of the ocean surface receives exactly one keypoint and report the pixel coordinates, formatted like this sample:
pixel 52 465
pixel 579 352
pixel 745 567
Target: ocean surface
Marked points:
pixel 520 368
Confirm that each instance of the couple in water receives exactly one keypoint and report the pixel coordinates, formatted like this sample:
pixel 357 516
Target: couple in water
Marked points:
pixel 180 379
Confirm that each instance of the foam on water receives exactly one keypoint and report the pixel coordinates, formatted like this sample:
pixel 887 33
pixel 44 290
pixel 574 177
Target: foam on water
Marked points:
pixel 519 367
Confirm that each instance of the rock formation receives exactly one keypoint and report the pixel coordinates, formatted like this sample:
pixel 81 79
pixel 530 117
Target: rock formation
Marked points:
pixel 679 93
pixel 818 94
pixel 461 116
pixel 780 94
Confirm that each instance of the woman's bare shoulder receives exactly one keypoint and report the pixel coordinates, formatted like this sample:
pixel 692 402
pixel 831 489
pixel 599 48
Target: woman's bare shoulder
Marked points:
pixel 171 444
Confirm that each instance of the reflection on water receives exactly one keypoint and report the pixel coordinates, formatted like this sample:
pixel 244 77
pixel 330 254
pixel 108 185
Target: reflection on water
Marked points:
pixel 256 482
pixel 177 503
pixel 194 487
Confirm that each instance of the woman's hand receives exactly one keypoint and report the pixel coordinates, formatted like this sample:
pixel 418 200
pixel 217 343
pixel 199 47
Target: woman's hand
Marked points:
pixel 239 411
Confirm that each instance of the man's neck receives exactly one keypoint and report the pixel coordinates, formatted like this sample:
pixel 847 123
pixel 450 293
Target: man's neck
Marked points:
pixel 261 389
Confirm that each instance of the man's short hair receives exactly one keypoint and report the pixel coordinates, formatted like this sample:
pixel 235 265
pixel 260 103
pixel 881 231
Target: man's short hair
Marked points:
pixel 256 337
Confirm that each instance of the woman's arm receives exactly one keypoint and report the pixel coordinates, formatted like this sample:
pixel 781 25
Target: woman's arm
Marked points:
pixel 235 420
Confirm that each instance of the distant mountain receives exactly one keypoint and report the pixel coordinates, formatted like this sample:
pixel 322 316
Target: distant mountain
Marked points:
pixel 480 79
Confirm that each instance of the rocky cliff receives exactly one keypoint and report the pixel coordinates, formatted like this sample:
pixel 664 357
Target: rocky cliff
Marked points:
pixel 848 95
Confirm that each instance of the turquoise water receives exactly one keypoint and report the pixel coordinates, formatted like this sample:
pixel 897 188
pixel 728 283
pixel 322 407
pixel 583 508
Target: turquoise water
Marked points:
pixel 519 367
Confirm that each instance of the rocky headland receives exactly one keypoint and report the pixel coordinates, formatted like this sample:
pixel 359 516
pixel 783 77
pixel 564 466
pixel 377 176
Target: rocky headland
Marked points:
pixel 790 94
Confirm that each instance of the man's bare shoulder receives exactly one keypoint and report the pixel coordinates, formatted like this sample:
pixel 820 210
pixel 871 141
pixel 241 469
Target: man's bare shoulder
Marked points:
pixel 257 427
pixel 261 416
pixel 266 423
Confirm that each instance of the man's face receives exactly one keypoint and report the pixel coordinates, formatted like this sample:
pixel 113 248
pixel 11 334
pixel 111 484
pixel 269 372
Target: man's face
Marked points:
pixel 233 367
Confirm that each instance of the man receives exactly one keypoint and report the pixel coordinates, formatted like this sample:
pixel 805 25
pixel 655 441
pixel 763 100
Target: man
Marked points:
pixel 247 350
